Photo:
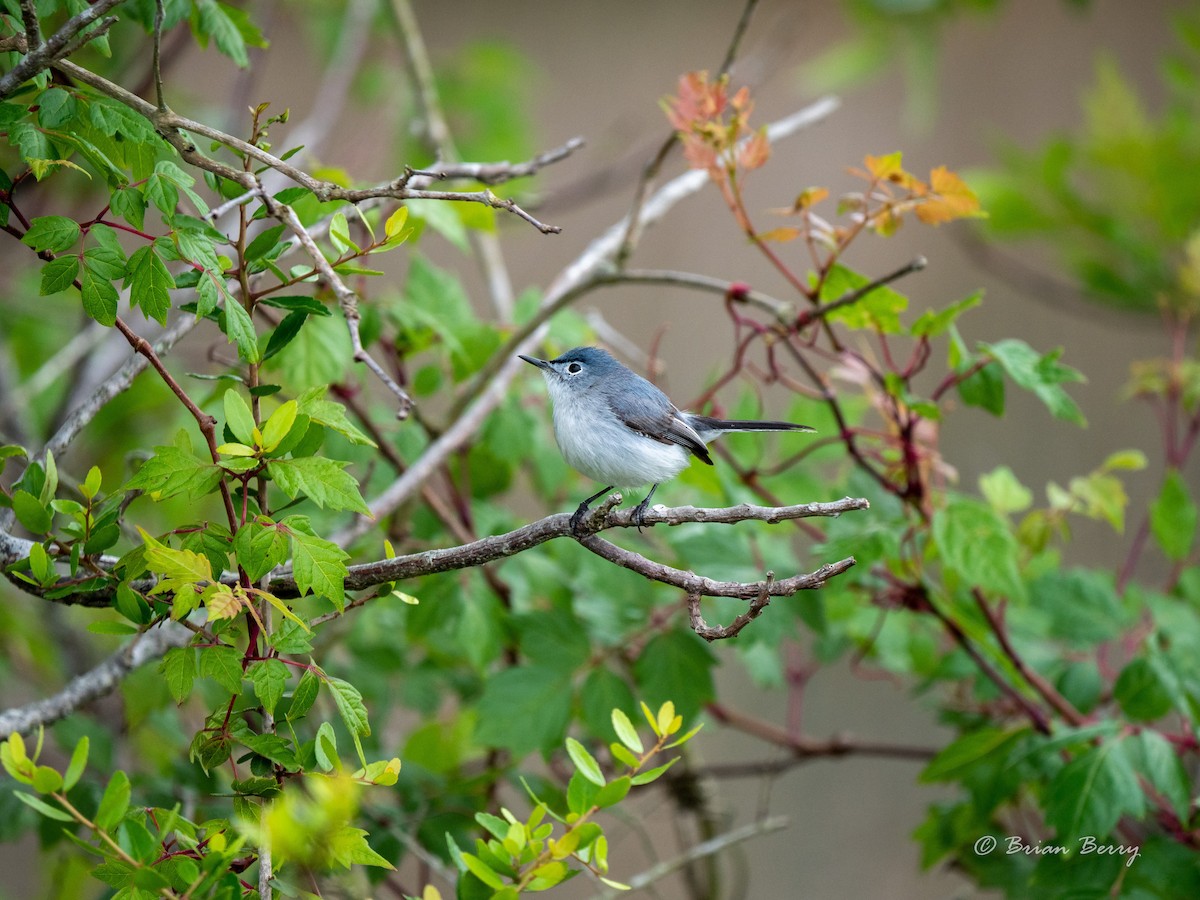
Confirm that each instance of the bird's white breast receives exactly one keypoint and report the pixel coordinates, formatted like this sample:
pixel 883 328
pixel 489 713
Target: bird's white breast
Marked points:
pixel 598 444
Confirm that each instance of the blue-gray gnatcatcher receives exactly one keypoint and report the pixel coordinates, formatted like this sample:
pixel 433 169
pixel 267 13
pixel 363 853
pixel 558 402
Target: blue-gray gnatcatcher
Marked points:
pixel 616 427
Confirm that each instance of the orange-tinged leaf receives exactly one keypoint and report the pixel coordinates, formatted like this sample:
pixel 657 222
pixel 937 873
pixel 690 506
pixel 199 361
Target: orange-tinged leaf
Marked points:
pixel 755 151
pixel 783 234
pixel 882 167
pixel 950 199
pixel 809 197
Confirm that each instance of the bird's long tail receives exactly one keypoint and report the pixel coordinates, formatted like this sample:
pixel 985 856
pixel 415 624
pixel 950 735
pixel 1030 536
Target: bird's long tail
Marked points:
pixel 709 428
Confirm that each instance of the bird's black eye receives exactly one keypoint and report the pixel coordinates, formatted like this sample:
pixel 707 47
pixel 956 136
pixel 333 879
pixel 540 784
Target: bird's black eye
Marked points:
pixel 574 369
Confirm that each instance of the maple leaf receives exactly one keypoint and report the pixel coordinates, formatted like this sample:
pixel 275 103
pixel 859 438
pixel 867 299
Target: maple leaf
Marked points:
pixel 949 199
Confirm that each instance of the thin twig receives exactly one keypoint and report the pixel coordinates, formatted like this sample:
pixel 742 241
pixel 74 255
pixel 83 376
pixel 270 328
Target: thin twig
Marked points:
pixel 47 53
pixel 801 748
pixel 347 299
pixel 1048 692
pixel 633 221
pixel 712 633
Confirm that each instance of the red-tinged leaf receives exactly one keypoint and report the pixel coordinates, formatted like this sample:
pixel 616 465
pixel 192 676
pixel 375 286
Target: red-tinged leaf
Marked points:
pixel 755 151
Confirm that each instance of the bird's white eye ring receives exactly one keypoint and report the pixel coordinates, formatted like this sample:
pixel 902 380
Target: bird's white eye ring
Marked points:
pixel 574 369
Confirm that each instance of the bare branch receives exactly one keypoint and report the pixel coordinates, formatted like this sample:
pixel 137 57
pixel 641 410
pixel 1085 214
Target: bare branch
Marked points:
pixel 804 748
pixel 604 516
pixel 101 680
pixel 722 632
pixel 499 172
pixel 707 587
pixel 58 44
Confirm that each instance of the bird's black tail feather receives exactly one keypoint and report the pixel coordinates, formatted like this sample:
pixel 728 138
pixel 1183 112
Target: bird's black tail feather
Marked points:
pixel 707 423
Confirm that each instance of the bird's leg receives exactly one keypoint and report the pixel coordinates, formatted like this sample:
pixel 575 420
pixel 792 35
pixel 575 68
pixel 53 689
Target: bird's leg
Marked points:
pixel 639 511
pixel 577 516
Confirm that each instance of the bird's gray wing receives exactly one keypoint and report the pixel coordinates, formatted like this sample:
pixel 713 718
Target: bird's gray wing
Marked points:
pixel 654 416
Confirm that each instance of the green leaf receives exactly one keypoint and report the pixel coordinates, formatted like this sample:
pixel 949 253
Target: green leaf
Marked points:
pixel 131 605
pixel 956 759
pixel 585 763
pixel 260 548
pixel 322 480
pixel 78 763
pixel 984 388
pixel 1091 793
pixel 350 705
pixel 53 234
pixel 55 107
pixel 1173 517
pixel 36 803
pixel 304 696
pixel 99 295
pixel 626 733
pixel 59 274
pixel 536 696
pixel 211 19
pixel 278 425
pixel 482 871
pixel 283 333
pixel 1081 605
pixel 653 774
pixel 130 204
pixel 115 802
pixel 319 565
pixel 339 233
pixel 603 691
pixel 325 748
pixel 224 666
pixel 1041 374
pixel 979 547
pixel 331 415
pixel 878 310
pixel 46 780
pixel 676 666
pixel 1004 492
pixel 175 470
pixel 269 677
pixel 178 667
pixel 238 418
pixel 1155 758
pixel 178 568
pixel 150 283
pixel 1140 691
pixel 239 328
pixel 613 792
pixel 297 303
pixel 31 513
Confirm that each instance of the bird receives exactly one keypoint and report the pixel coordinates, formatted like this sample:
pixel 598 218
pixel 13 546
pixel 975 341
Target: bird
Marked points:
pixel 617 428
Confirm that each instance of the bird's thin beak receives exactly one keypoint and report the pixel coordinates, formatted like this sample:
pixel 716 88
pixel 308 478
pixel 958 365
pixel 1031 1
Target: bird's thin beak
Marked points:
pixel 534 361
